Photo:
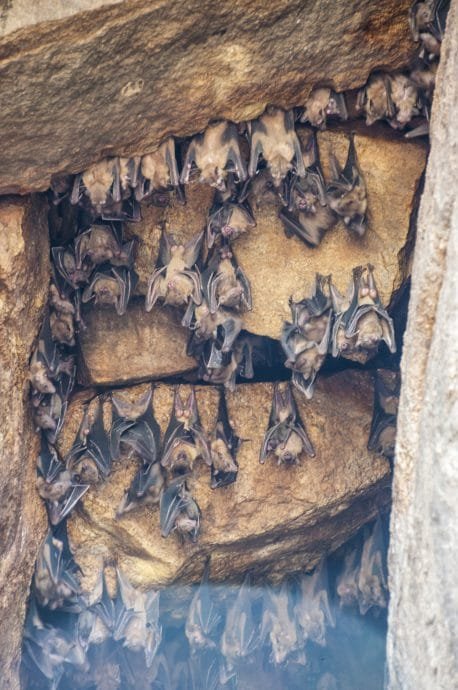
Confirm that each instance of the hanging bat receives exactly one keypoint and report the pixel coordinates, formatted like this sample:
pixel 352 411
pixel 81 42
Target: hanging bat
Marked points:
pixel 145 489
pixel 382 437
pixel 406 100
pixel 215 153
pixel 137 623
pixel 176 279
pixel 136 427
pixel 158 172
pixel 111 286
pixel 62 328
pixel 224 447
pixel 222 368
pixel 347 581
pixel 372 579
pixel 222 325
pixel 178 511
pixel 55 583
pixel 64 260
pixel 286 436
pixel 322 103
pixel 423 74
pixel 59 299
pixel 103 243
pixel 203 618
pixel 49 413
pixel 279 624
pixel 313 612
pixel 260 191
pixel 305 341
pixel 346 193
pixel 374 99
pixel 224 283
pixel 228 219
pixel 427 19
pixel 89 459
pixel 184 439
pixel 273 136
pixel 241 634
pixel 97 182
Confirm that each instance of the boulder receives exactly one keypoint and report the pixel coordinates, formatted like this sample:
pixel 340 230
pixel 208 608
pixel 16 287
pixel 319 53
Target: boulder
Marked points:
pixel 116 78
pixel 24 279
pixel 272 517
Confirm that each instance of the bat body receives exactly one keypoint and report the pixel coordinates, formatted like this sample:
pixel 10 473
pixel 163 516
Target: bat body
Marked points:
pixel 228 219
pixel 62 328
pixel 60 301
pixel 176 280
pixel 111 287
pixel 224 283
pixel 103 243
pixel 273 136
pixel 64 260
pixel 372 579
pixel 55 583
pixel 322 103
pixel 313 612
pixel 382 437
pixel 222 368
pixel 105 186
pixel 184 439
pixel 178 511
pixel 241 633
pixel 347 581
pixel 279 624
pixel 260 191
pixel 305 341
pixel 203 619
pixel 96 182
pixel 221 324
pixel 286 437
pixel 139 430
pixel 427 20
pixel 346 193
pixel 223 448
pixel 89 459
pixel 215 153
pixel 158 171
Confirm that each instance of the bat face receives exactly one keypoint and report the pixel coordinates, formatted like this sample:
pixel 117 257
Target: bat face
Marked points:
pixel 286 437
pixel 62 328
pixel 261 191
pixel 111 287
pixel 321 103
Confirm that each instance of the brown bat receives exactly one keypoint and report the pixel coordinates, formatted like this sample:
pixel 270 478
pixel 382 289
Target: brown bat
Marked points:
pixel 224 283
pixel 273 136
pixel 224 447
pixel 179 511
pixel 62 328
pixel 346 193
pixel 382 437
pixel 394 98
pixel 260 191
pixel 96 182
pixel 228 218
pixel 347 581
pixel 305 341
pixel 176 279
pixel 215 153
pixel 184 440
pixel 111 286
pixel 427 19
pixel 158 171
pixel 286 437
pixel 322 103
pixel 103 243
pixel 59 299
pixel 222 368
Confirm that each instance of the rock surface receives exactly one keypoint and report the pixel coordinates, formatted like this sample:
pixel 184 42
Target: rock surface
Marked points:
pixel 278 267
pixel 119 77
pixel 23 293
pixel 423 563
pixel 134 347
pixel 271 516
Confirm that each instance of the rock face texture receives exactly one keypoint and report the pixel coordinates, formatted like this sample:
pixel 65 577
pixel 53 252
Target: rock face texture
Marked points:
pixel 104 84
pixel 423 619
pixel 23 294
pixel 271 518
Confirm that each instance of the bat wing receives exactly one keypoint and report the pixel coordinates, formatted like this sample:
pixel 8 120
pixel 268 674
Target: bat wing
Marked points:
pixel 171 505
pixel 245 284
pixel 255 151
pixel 171 161
pixel 293 226
pixel 57 513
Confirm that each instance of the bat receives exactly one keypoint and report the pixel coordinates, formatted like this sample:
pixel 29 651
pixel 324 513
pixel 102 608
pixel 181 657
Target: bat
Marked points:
pixel 179 511
pixel 59 299
pixel 224 447
pixel 364 323
pixel 184 439
pixel 55 583
pixel 382 437
pixel 228 219
pixel 145 489
pixel 391 97
pixel 62 328
pixel 286 436
pixel 203 618
pixel 347 580
pixel 215 153
pixel 313 612
pixel 111 286
pixel 176 278
pixel 241 636
pixel 64 261
pixel 222 368
pixel 279 624
pixel 136 427
pixel 89 459
pixel 346 193
pixel 423 74
pixel 406 100
pixel 49 413
pixel 372 578
pixel 427 19
pixel 103 243
pixel 222 325
pixel 273 136
pixel 322 103
pixel 305 341
pixel 260 191
pixel 137 619
pixel 158 172
pixel 97 182
pixel 224 283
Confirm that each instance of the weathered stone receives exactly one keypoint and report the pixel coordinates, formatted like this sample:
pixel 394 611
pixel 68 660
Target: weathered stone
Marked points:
pixel 278 267
pixel 119 77
pixel 24 278
pixel 134 347
pixel 423 561
pixel 270 517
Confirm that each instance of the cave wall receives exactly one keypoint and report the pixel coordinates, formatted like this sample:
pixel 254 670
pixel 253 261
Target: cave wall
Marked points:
pixel 423 562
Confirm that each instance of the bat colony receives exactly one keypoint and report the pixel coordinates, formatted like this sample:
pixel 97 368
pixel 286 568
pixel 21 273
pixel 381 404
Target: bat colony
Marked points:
pixel 203 279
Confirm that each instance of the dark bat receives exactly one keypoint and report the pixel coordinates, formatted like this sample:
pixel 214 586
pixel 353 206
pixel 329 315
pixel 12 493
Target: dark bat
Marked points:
pixel 89 459
pixel 423 74
pixel 136 427
pixel 260 191
pixel 382 437
pixel 346 193
pixel 228 218
pixel 279 624
pixel 215 153
pixel 178 511
pixel 286 436
pixel 224 283
pixel 224 447
pixel 273 136
pixel 64 260
pixel 111 286
pixel 103 243
pixel 158 171
pixel 49 413
pixel 55 581
pixel 218 367
pixel 176 279
pixel 184 439
pixel 241 633
pixel 222 325
pixel 145 489
pixel 203 618
pixel 372 578
pixel 322 103
pixel 313 612
pixel 305 341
